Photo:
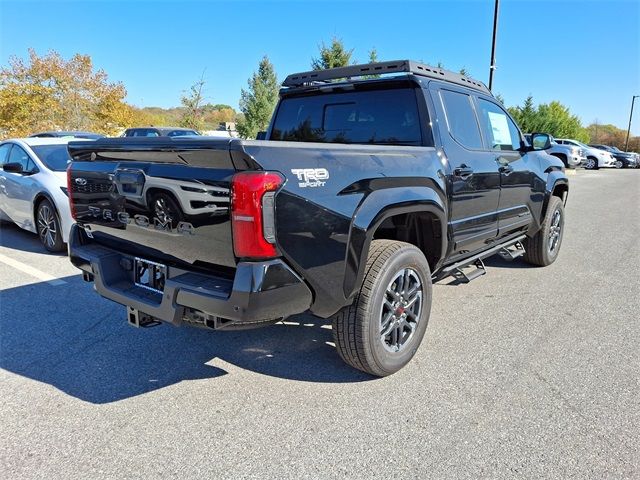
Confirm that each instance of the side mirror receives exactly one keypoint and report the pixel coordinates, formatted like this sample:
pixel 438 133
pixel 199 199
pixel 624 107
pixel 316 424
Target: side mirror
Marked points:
pixel 12 167
pixel 540 141
pixel 261 136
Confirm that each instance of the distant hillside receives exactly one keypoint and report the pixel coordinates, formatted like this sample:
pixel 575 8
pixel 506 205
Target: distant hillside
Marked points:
pixel 212 115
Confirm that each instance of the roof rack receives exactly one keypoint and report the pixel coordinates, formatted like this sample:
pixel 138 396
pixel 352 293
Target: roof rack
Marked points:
pixel 381 68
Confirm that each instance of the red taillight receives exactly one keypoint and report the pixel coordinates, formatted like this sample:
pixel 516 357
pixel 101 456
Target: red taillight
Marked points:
pixel 72 206
pixel 252 213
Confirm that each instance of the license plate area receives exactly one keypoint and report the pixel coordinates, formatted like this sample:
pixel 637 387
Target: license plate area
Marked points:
pixel 149 275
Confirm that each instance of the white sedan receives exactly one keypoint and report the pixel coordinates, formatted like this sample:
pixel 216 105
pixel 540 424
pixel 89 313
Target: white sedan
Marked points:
pixel 33 188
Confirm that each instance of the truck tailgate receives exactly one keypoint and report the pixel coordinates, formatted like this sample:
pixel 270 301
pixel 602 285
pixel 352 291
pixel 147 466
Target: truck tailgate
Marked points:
pixel 166 200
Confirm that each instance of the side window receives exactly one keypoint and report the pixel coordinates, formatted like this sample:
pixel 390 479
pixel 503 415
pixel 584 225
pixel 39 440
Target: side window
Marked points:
pixel 4 153
pixel 499 129
pixel 31 167
pixel 461 119
pixel 18 155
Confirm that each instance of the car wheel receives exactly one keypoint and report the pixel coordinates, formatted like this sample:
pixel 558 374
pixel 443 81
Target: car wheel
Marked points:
pixel 48 226
pixel 383 328
pixel 619 164
pixel 542 249
pixel 591 164
pixel 166 209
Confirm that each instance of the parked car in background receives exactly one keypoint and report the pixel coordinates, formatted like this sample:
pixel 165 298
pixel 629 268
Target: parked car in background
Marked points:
pixel 168 199
pixel 67 134
pixel 33 188
pixel 622 159
pixel 570 155
pixel 159 132
pixel 596 158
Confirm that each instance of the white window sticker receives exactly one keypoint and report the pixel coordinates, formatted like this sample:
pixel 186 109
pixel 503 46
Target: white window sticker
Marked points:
pixel 500 128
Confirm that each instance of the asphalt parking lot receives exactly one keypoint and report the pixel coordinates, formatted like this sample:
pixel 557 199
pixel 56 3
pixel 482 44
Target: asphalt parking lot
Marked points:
pixel 524 373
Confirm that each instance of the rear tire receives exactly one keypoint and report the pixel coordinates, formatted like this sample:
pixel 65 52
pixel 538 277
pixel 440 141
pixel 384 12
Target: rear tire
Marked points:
pixel 48 227
pixel 383 328
pixel 542 249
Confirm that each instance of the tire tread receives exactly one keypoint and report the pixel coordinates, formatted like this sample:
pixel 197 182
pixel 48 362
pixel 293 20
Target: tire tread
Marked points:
pixel 349 324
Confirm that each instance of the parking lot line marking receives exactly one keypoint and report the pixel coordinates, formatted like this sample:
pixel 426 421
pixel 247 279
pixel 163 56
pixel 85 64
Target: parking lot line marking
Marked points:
pixel 29 270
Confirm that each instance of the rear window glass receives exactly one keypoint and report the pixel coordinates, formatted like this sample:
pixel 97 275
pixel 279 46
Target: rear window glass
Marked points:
pixel 142 132
pixel 55 157
pixel 181 133
pixel 387 117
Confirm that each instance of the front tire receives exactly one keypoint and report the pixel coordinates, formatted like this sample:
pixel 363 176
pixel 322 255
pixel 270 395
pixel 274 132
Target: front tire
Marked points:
pixel 166 209
pixel 383 328
pixel 619 164
pixel 543 248
pixel 592 164
pixel 48 227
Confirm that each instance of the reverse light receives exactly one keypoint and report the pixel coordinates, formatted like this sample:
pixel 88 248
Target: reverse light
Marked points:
pixel 72 206
pixel 253 213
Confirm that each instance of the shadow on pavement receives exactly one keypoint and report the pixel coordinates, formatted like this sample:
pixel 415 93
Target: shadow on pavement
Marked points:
pixel 497 261
pixel 68 337
pixel 14 237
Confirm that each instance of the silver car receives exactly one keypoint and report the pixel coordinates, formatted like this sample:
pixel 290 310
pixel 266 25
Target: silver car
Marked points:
pixel 33 188
pixel 595 158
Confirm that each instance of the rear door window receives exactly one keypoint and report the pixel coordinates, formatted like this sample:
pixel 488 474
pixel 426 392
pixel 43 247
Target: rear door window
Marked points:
pixel 381 117
pixel 461 119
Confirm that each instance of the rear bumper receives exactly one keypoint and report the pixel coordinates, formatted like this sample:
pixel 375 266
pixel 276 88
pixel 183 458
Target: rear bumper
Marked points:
pixel 260 292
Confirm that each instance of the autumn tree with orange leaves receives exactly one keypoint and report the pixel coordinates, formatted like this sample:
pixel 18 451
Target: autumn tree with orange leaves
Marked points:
pixel 51 93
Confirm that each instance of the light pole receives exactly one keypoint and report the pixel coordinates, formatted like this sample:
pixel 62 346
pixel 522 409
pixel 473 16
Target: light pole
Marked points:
pixel 492 67
pixel 626 144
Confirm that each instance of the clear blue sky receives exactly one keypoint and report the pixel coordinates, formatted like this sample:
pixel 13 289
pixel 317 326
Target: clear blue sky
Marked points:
pixel 583 53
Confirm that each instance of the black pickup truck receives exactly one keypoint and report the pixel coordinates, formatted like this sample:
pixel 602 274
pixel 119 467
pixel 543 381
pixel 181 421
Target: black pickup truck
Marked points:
pixel 373 181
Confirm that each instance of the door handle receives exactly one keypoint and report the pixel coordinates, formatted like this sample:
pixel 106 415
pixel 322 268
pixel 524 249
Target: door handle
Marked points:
pixel 463 171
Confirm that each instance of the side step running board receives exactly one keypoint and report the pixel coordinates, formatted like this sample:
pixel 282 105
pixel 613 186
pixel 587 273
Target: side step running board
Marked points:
pixel 509 250
pixel 513 251
pixel 466 277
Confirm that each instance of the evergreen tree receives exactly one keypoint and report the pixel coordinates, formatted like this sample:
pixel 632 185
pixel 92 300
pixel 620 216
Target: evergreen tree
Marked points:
pixel 553 118
pixel 332 56
pixel 373 55
pixel 259 100
pixel 373 58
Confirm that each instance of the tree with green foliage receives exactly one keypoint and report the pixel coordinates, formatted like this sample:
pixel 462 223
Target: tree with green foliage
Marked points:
pixel 373 55
pixel 259 100
pixel 333 56
pixel 553 118
pixel 50 92
pixel 192 104
pixel 373 58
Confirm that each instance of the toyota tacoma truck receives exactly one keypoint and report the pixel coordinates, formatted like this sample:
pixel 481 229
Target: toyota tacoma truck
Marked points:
pixel 373 181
